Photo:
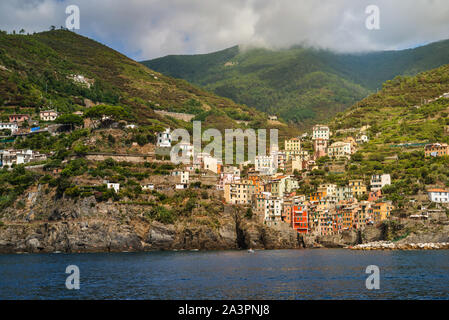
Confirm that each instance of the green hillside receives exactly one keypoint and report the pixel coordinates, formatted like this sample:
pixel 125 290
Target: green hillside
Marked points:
pixel 407 110
pixel 403 117
pixel 36 71
pixel 300 85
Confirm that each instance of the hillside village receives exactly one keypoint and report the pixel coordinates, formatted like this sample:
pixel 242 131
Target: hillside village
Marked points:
pixel 282 189
pixel 88 143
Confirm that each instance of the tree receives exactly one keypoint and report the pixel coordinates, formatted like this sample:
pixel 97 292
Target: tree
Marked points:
pixel 71 120
pixel 113 112
pixel 357 157
pixel 22 31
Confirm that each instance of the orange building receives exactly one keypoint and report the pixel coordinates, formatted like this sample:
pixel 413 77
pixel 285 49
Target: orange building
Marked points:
pixel 381 211
pixel 287 212
pixel 436 150
pixel 347 211
pixel 337 222
pixel 373 196
pixel 300 219
pixel 257 182
pixel 317 196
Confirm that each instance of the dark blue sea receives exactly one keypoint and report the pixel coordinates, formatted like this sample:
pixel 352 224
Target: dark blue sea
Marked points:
pixel 277 274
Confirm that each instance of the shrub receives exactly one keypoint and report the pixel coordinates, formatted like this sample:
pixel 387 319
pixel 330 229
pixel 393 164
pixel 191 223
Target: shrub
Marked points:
pixel 162 214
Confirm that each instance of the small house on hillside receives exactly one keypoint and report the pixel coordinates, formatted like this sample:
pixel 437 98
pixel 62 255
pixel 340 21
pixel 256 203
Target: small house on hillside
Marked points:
pixel 19 117
pixel 164 138
pixel 48 115
pixel 438 195
pixel 13 127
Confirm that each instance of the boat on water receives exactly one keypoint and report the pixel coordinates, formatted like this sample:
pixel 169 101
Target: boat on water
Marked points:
pixel 251 251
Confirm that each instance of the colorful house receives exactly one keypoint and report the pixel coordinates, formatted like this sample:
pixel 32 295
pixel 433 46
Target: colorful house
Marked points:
pixel 19 117
pixel 358 187
pixel 300 219
pixel 381 211
pixel 436 150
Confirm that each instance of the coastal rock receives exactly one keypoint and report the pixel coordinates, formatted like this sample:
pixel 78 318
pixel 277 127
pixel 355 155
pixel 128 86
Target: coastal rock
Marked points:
pixel 83 225
pixel 387 245
pixel 33 245
pixel 347 237
pixel 161 236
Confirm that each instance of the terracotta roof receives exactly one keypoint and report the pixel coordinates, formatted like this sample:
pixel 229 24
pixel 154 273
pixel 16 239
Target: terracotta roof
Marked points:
pixel 437 190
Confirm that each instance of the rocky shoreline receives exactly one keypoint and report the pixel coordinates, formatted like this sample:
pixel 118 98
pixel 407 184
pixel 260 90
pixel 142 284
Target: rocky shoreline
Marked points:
pixel 48 225
pixel 388 245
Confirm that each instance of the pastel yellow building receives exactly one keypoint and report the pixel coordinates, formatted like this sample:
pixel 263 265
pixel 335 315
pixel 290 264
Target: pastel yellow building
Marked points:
pixel 239 193
pixel 358 187
pixel 381 211
pixel 292 145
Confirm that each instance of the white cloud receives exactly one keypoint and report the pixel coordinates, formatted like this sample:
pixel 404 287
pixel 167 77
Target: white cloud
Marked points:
pixel 152 28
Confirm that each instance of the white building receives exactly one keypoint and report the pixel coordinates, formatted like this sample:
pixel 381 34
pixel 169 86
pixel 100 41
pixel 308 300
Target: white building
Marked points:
pixel 340 150
pixel 15 157
pixel 48 115
pixel 199 158
pixel 362 139
pixel 439 195
pixel 115 186
pixel 164 139
pixel 269 207
pixel 78 78
pixel 148 186
pixel 9 126
pixel 183 176
pixel 321 132
pixel 266 165
pixel 229 175
pixel 186 149
pixel 212 164
pixel 378 181
pixel 343 193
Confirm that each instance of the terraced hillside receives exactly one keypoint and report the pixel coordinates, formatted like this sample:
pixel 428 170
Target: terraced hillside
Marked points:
pixel 61 69
pixel 301 85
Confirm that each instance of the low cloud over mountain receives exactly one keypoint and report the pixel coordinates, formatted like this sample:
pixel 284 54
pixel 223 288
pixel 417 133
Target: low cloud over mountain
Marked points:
pixel 151 28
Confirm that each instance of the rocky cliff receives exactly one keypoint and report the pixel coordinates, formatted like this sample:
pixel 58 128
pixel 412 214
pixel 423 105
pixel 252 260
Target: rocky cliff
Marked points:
pixel 398 231
pixel 47 224
pixel 41 222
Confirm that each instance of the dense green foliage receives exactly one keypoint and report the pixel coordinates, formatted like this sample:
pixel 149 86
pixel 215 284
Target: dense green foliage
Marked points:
pixel 299 84
pixel 14 183
pixel 404 116
pixel 62 70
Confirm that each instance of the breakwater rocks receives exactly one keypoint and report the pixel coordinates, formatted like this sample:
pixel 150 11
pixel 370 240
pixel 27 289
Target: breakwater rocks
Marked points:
pixel 388 245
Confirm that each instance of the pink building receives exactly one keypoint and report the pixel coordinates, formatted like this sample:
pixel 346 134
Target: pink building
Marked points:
pixel 19 117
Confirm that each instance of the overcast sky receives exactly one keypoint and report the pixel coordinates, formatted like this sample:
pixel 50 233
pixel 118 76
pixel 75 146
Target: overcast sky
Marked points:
pixel 145 29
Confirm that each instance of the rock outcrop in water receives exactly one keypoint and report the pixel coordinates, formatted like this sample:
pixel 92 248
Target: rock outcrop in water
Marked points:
pixel 388 245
